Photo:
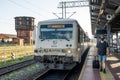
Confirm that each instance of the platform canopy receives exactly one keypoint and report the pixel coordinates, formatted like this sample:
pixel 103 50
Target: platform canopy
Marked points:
pixel 103 13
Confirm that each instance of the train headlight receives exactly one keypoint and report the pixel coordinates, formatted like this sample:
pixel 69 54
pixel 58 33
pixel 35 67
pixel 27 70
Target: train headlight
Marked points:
pixel 35 50
pixel 69 51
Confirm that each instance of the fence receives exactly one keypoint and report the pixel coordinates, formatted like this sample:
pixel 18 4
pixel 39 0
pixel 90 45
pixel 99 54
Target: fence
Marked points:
pixel 14 52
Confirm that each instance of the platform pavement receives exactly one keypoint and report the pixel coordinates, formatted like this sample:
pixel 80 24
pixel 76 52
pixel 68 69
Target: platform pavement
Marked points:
pixel 113 63
pixel 88 73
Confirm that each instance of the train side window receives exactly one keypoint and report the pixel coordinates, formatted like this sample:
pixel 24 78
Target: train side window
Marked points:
pixel 78 35
pixel 81 35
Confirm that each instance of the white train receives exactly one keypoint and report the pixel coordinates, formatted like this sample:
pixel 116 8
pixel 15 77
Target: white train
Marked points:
pixel 60 43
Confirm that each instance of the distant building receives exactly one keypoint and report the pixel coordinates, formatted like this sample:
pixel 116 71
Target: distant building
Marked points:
pixel 24 27
pixel 18 41
pixel 7 37
pixel 10 38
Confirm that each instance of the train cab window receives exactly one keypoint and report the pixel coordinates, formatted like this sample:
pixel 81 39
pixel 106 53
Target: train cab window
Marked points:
pixel 59 31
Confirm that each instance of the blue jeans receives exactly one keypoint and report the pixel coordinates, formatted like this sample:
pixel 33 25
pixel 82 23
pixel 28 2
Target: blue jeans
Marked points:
pixel 102 58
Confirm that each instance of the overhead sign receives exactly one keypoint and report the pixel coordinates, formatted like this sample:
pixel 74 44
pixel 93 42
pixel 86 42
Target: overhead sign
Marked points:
pixel 101 31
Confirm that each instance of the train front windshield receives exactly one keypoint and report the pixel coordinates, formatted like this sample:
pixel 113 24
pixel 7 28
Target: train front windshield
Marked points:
pixel 56 31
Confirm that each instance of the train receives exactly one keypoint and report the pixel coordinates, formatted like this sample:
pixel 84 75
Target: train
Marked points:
pixel 60 43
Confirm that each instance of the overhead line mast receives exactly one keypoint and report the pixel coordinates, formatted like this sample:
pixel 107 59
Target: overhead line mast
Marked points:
pixel 72 4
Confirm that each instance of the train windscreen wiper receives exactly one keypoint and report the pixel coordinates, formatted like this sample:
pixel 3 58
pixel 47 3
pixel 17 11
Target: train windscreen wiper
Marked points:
pixel 42 39
pixel 67 39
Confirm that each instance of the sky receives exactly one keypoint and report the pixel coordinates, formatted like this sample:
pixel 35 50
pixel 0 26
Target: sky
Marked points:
pixel 40 10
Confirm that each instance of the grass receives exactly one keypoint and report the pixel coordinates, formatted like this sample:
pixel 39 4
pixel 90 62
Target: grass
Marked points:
pixel 22 74
pixel 8 62
pixel 14 54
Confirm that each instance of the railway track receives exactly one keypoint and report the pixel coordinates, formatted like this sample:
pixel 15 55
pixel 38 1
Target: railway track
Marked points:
pixel 38 73
pixel 53 75
pixel 76 71
pixel 63 74
pixel 7 69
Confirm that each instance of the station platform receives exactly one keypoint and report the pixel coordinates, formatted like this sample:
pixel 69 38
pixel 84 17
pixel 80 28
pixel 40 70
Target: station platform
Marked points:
pixel 112 68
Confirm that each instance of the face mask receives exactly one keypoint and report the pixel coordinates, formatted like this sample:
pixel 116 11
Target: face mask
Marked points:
pixel 102 39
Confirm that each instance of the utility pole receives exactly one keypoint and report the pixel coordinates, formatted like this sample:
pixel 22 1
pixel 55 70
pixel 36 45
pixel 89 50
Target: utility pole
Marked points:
pixel 71 4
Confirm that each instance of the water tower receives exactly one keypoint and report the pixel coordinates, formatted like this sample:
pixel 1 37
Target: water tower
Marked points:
pixel 24 27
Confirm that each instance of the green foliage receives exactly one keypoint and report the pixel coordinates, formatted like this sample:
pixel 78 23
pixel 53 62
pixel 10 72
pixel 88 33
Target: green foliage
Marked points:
pixel 9 62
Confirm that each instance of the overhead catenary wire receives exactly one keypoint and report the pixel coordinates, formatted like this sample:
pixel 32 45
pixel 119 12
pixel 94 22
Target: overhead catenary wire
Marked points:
pixel 5 22
pixel 24 7
pixel 39 8
pixel 35 6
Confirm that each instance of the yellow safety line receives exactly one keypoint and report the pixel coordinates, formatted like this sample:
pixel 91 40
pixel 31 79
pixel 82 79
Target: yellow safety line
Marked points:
pixel 107 76
pixel 83 69
pixel 101 75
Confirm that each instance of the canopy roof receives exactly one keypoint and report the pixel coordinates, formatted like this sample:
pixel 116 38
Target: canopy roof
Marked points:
pixel 104 12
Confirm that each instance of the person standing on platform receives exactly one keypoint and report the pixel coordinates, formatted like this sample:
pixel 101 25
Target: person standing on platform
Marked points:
pixel 102 50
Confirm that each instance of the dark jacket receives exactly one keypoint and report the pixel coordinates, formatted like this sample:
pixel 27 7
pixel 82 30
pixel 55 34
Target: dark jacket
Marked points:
pixel 102 48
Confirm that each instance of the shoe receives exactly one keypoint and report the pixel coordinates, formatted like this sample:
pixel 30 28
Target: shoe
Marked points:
pixel 100 69
pixel 104 71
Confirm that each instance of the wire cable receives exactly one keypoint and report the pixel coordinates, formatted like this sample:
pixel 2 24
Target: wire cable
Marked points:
pixel 25 7
pixel 37 7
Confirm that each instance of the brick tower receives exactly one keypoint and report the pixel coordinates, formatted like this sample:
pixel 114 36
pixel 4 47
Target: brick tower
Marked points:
pixel 24 27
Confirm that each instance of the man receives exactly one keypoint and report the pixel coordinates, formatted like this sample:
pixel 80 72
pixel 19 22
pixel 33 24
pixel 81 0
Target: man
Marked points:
pixel 102 51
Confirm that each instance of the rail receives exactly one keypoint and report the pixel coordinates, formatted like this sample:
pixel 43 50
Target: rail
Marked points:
pixel 13 67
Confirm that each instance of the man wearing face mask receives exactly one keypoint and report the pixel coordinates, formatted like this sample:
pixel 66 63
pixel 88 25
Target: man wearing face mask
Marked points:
pixel 102 51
